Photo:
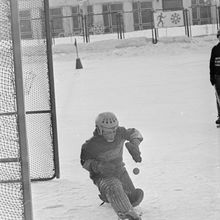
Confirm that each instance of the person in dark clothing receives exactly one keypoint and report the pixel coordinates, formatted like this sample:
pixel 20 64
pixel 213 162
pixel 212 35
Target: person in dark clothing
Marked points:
pixel 214 67
pixel 102 156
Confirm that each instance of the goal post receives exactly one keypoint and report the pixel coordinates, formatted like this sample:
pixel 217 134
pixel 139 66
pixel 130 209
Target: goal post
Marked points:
pixel 51 82
pixel 15 188
pixel 21 119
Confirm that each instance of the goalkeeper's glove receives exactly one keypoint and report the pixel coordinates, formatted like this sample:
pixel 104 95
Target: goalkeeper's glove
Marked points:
pixel 133 148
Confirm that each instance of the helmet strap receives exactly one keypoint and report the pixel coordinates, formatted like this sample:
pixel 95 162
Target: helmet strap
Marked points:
pixel 99 130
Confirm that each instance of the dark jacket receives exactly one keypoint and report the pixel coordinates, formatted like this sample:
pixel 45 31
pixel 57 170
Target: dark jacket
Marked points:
pixel 214 64
pixel 98 150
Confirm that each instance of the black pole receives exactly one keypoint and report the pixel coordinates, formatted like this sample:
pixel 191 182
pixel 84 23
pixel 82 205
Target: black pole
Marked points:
pixel 154 30
pixel 186 23
pixel 86 29
pixel 121 26
pixel 117 24
pixel 82 26
pixel 123 29
pixel 21 119
pixel 218 13
pixel 184 19
pixel 119 21
pixel 154 35
pixel 52 89
pixel 77 52
pixel 217 20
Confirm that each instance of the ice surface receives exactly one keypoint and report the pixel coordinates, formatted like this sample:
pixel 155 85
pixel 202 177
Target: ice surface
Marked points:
pixel 163 90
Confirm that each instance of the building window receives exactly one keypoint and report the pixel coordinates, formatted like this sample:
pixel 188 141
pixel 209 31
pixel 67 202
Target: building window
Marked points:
pixel 201 2
pixel 172 4
pixel 201 12
pixel 112 16
pixel 142 15
pixel 90 18
pixel 77 20
pixel 56 21
pixel 25 24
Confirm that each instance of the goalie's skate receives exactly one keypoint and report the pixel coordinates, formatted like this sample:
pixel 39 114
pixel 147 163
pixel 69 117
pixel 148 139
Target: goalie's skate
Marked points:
pixel 130 215
pixel 136 197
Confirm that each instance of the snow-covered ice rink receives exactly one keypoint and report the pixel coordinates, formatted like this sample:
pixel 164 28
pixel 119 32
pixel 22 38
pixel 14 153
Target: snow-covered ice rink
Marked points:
pixel 163 90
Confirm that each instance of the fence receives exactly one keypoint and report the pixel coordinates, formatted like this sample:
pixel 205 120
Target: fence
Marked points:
pixel 124 22
pixel 112 20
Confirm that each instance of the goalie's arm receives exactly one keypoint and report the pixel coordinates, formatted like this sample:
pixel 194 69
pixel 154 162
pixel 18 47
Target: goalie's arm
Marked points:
pixel 95 166
pixel 87 160
pixel 135 138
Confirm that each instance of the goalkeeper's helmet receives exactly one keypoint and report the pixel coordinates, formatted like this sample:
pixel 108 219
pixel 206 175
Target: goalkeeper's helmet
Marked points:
pixel 107 124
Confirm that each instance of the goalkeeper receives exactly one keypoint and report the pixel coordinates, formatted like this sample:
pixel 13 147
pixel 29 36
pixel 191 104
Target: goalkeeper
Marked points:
pixel 101 155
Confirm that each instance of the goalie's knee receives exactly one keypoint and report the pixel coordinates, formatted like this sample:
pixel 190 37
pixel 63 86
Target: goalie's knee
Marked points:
pixel 109 184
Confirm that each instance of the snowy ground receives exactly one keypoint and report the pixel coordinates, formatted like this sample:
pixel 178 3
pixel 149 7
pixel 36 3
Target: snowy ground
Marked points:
pixel 164 91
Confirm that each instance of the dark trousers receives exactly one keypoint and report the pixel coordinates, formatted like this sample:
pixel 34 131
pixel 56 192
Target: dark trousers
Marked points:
pixel 217 88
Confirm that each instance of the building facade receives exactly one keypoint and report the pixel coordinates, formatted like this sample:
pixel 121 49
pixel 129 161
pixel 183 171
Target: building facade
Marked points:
pixel 70 17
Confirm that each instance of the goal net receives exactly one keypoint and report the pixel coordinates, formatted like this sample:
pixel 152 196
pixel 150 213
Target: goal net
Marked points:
pixel 39 123
pixel 39 89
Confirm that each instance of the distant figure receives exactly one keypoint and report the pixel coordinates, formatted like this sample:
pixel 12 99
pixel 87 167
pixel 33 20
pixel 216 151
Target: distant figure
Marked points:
pixel 214 66
pixel 160 18
pixel 102 156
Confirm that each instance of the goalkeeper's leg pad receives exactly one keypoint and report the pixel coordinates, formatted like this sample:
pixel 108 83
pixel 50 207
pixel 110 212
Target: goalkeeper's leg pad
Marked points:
pixel 114 192
pixel 127 183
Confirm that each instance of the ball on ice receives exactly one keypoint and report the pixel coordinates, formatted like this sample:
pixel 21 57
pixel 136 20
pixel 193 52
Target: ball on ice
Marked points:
pixel 136 171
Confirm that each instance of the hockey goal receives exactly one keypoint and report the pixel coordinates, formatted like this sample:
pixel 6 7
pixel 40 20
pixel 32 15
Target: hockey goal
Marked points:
pixel 28 136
